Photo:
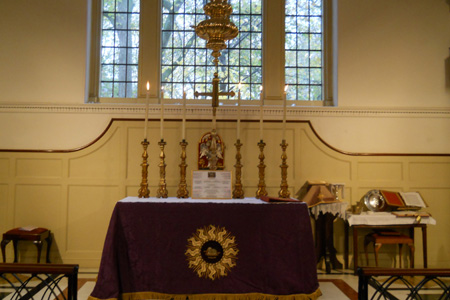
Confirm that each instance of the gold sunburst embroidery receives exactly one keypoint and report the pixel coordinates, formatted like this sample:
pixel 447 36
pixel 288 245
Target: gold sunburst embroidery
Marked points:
pixel 212 252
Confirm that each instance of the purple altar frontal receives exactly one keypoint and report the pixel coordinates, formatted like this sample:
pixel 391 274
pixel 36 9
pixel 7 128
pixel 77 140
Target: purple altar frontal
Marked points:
pixel 207 249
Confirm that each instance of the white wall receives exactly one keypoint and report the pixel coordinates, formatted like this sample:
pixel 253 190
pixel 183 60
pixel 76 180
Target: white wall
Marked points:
pixel 393 80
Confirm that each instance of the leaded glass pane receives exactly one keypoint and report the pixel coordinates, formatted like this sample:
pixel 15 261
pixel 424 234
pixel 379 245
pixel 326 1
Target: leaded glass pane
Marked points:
pixel 316 76
pixel 119 90
pixel 106 89
pixel 290 57
pixel 108 21
pixel 107 55
pixel 291 76
pixel 316 92
pixel 303 75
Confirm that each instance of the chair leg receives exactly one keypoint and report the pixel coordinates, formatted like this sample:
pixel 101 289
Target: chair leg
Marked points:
pixel 49 244
pixel 411 256
pixel 3 245
pixel 366 243
pixel 15 242
pixel 39 250
pixel 376 247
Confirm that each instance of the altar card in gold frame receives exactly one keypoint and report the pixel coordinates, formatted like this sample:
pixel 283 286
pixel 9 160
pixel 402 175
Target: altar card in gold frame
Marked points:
pixel 211 184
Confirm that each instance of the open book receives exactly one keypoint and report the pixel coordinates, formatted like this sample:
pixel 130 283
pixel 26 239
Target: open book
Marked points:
pixel 403 199
pixel 413 199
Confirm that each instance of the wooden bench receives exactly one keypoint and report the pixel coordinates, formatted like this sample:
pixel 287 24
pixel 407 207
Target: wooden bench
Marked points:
pixel 36 235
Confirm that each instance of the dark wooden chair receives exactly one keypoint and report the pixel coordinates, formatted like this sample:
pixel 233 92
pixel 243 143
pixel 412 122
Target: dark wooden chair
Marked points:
pixel 36 235
pixel 378 239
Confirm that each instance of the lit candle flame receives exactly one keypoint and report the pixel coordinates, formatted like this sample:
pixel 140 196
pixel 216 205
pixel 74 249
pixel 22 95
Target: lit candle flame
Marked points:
pixel 148 86
pixel 286 88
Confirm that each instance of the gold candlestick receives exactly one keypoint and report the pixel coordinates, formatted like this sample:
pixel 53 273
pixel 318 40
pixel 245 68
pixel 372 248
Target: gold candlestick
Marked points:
pixel 162 189
pixel 238 192
pixel 284 192
pixel 182 187
pixel 261 166
pixel 144 192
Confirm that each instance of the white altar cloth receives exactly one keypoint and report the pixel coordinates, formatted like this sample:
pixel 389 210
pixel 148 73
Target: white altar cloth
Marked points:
pixel 336 209
pixel 189 200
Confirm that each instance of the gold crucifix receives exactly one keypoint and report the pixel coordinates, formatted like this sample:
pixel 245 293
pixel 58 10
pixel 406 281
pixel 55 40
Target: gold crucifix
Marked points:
pixel 215 93
pixel 212 152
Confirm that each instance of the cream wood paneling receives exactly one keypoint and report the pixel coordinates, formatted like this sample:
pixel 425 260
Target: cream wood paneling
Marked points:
pixel 325 164
pixel 3 205
pixel 436 173
pixel 88 214
pixel 74 193
pixel 438 200
pixel 101 162
pixel 38 168
pixel 384 171
pixel 36 205
pixel 4 168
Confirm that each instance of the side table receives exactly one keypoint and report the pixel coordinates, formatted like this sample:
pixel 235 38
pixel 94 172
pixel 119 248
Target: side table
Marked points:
pixel 385 220
pixel 324 215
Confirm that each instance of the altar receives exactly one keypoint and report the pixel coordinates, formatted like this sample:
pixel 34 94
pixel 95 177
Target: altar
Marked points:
pixel 202 249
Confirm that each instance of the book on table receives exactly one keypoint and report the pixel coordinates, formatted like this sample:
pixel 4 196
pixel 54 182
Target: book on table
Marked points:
pixel 413 199
pixel 278 199
pixel 404 199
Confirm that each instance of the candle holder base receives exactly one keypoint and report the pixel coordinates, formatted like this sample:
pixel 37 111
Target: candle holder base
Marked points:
pixel 284 191
pixel 238 192
pixel 144 192
pixel 261 191
pixel 182 186
pixel 162 188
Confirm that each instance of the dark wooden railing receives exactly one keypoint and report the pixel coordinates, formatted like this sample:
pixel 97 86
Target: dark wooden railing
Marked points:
pixel 26 280
pixel 367 276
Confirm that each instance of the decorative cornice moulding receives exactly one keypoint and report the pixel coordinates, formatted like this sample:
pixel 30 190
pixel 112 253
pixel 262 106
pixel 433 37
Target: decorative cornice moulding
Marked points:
pixel 225 112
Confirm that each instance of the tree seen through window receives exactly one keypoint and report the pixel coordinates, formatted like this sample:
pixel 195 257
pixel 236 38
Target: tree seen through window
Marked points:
pixel 119 48
pixel 187 64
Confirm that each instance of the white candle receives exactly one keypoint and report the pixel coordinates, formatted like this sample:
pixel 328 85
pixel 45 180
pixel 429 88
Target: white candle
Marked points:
pixel 146 110
pixel 284 112
pixel 261 114
pixel 161 127
pixel 238 126
pixel 183 129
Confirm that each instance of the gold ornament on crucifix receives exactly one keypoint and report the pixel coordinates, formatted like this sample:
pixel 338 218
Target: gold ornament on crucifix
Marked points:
pixel 218 28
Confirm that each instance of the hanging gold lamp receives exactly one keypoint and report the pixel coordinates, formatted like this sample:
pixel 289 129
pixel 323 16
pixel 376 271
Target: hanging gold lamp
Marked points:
pixel 218 28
